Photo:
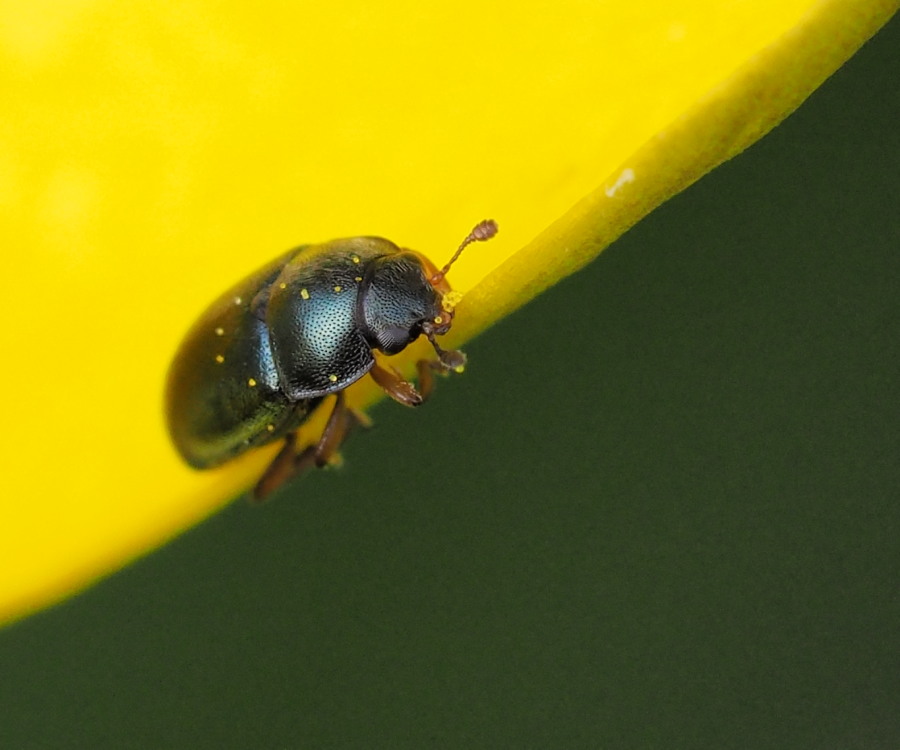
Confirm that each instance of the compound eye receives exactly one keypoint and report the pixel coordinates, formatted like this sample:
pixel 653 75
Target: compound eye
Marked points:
pixel 393 339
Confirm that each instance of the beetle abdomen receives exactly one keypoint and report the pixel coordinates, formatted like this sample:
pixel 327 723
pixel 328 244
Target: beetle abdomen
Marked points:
pixel 223 394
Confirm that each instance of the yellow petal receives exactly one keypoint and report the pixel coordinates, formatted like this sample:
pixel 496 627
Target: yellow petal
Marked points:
pixel 153 154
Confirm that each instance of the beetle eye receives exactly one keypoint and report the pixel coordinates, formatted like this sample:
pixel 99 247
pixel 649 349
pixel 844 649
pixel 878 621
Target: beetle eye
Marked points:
pixel 394 339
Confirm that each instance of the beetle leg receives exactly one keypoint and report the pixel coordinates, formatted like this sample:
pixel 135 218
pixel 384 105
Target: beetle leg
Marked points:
pixel 360 417
pixel 402 391
pixel 289 463
pixel 426 369
pixel 336 429
pixel 278 472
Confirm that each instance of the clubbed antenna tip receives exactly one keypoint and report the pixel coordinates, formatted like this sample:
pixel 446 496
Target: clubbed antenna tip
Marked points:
pixel 482 231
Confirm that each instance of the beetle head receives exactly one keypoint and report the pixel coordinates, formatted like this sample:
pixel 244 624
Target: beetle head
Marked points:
pixel 403 298
pixel 396 301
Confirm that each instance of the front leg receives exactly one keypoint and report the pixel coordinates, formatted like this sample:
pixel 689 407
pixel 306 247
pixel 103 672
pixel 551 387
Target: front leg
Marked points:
pixel 402 391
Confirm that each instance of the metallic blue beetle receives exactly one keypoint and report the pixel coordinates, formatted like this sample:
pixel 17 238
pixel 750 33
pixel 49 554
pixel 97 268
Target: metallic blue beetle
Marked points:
pixel 266 353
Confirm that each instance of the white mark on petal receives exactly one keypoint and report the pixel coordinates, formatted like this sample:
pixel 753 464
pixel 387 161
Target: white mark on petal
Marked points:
pixel 624 178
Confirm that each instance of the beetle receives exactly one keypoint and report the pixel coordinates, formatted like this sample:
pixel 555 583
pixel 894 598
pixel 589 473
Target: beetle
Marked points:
pixel 265 354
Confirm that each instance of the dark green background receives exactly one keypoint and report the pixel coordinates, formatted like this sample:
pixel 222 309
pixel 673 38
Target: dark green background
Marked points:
pixel 660 510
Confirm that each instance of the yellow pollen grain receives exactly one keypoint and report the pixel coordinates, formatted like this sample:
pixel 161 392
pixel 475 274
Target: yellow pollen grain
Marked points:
pixel 337 288
pixel 238 300
pixel 333 378
pixel 357 278
pixel 220 331
pixel 251 382
pixel 282 285
pixel 450 300
pixel 438 320
pixel 220 359
pixel 270 427
pixel 304 294
pixel 354 258
pixel 461 369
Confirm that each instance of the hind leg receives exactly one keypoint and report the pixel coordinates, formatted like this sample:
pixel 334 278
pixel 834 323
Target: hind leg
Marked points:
pixel 289 463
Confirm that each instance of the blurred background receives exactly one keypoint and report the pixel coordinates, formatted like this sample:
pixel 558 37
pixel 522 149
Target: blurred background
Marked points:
pixel 660 509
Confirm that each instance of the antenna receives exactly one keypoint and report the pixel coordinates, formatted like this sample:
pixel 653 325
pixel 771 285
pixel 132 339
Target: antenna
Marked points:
pixel 449 359
pixel 482 231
